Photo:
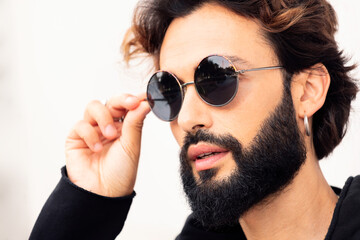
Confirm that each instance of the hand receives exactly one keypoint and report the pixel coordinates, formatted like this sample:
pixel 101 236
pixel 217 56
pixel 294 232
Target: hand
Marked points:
pixel 102 156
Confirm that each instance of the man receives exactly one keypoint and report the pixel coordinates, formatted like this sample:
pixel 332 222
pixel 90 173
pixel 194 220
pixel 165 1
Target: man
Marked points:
pixel 256 93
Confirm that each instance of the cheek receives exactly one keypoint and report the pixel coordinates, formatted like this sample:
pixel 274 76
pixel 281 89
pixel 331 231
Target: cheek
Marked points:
pixel 255 101
pixel 177 132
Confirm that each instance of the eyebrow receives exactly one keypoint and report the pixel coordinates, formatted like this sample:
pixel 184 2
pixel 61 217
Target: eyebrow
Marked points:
pixel 235 59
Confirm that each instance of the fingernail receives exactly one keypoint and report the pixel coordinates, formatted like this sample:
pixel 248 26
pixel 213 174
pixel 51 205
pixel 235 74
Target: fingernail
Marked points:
pixel 97 147
pixel 110 130
pixel 131 100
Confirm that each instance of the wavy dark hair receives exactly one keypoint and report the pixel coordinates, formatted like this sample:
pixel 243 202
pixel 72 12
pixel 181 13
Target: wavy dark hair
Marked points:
pixel 301 33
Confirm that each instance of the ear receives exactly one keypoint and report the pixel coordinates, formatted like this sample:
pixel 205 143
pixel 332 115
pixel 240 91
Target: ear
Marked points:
pixel 311 87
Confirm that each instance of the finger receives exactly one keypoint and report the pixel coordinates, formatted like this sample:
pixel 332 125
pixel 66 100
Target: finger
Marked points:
pixel 84 131
pixel 98 114
pixel 119 105
pixel 123 102
pixel 132 127
pixel 116 114
pixel 141 96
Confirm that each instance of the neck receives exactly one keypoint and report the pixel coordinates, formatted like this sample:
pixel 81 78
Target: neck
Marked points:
pixel 303 210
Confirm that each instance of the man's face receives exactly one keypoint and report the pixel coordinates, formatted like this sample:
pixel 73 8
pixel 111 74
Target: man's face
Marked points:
pixel 233 131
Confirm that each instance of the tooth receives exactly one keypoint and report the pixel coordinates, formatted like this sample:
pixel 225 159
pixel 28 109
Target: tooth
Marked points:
pixel 204 155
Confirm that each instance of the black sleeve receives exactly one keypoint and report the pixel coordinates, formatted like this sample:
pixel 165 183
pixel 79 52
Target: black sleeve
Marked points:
pixel 74 213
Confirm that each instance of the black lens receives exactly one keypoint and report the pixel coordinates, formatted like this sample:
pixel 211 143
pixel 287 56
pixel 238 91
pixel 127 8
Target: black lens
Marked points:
pixel 164 95
pixel 216 80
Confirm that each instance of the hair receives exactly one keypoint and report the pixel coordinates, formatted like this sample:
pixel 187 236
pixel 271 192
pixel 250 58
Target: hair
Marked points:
pixel 301 33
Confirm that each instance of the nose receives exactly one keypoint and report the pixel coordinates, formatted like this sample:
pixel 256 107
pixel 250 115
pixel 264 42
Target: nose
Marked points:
pixel 194 113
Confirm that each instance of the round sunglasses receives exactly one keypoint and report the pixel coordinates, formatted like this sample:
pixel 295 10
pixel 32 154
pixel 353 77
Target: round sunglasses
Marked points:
pixel 215 80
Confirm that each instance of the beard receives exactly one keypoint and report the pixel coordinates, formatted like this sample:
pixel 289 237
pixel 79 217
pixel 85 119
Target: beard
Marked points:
pixel 263 169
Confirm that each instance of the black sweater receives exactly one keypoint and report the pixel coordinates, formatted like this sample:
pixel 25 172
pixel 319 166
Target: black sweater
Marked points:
pixel 74 213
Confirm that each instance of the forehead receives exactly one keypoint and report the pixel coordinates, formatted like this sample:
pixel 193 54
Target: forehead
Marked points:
pixel 213 29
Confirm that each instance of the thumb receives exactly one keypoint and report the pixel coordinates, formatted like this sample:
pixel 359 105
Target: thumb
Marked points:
pixel 132 127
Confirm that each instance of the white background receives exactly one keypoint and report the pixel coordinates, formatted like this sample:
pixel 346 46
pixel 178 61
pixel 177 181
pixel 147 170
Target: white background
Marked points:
pixel 56 56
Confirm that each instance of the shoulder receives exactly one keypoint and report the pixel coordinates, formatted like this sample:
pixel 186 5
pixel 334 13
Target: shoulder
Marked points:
pixel 346 219
pixel 350 195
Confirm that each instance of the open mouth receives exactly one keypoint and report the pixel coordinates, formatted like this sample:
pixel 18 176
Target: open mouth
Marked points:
pixel 206 156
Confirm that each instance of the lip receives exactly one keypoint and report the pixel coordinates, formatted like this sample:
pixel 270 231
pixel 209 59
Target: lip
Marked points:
pixel 208 162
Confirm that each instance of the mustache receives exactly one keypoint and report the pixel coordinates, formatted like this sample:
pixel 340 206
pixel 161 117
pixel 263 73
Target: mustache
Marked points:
pixel 226 141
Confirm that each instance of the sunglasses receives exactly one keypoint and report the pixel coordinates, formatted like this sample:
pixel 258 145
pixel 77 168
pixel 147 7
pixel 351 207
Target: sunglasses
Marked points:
pixel 215 80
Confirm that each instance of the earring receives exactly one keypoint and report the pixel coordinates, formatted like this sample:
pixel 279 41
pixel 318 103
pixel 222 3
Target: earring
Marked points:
pixel 306 123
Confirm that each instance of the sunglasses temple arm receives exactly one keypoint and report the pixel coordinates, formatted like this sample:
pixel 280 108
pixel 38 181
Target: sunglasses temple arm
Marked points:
pixel 258 69
pixel 146 100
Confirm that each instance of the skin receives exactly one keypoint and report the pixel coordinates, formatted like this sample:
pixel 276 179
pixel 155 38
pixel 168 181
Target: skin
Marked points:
pixel 104 159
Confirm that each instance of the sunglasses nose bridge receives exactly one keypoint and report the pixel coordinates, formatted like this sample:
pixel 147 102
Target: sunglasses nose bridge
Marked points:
pixel 184 86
